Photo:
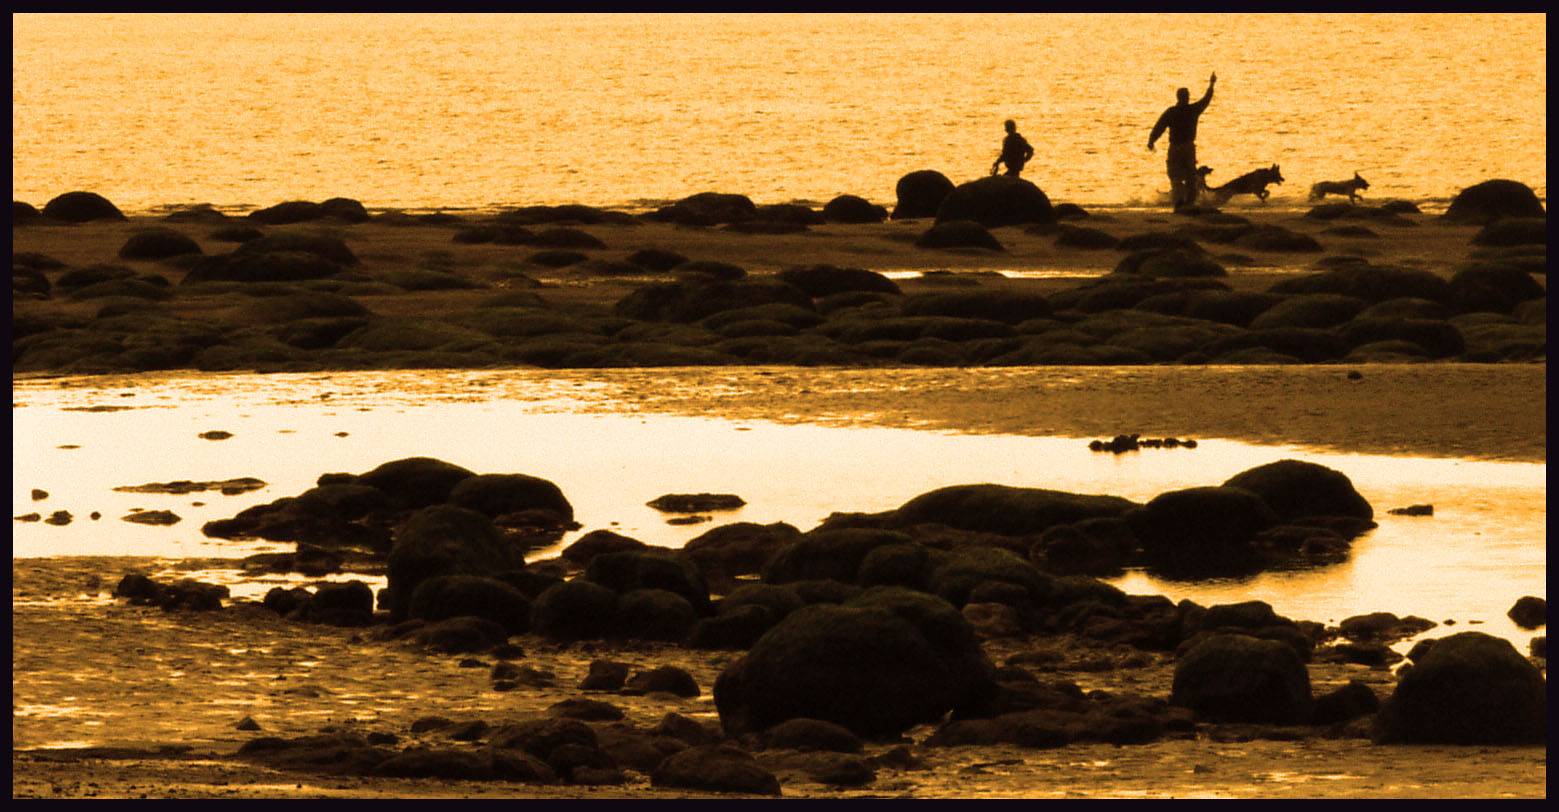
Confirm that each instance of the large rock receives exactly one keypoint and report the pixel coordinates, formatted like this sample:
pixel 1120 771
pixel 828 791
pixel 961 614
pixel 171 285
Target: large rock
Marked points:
pixel 693 298
pixel 1295 489
pixel 447 596
pixel 599 542
pixel 81 207
pixel 627 571
pixel 827 555
pixel 920 194
pixel 1514 231
pixel 654 614
pixel 157 243
pixel 708 209
pixel 1007 510
pixel 497 494
pixel 997 200
pixel 1202 531
pixel 887 660
pixel 958 234
pixel 445 540
pixel 1235 678
pixel 292 211
pixel 1010 307
pixel 324 246
pixel 739 549
pixel 1491 200
pixel 1169 263
pixel 1370 283
pixel 575 610
pixel 416 481
pixel 1529 612
pixel 1493 287
pixel 853 209
pixel 1313 310
pixel 715 768
pixel 1470 688
pixel 277 266
pixel 826 280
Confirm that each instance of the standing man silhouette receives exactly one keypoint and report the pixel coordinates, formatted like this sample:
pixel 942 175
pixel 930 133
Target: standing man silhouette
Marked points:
pixel 1015 151
pixel 1181 123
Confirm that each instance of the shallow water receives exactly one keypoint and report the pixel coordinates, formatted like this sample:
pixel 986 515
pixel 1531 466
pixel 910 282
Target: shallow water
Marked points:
pixel 480 111
pixel 1484 547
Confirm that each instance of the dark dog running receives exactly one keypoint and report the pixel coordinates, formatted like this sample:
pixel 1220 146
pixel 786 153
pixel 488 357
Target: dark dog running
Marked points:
pixel 1350 188
pixel 1250 183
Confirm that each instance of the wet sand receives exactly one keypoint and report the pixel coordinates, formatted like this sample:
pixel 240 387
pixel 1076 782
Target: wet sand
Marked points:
pixel 129 673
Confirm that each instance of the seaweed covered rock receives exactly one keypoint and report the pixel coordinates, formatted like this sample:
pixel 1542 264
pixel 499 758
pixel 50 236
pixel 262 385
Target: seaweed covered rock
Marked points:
pixel 1493 287
pixel 624 572
pixel 447 596
pixel 445 540
pixel 1007 510
pixel 157 243
pixel 81 207
pixel 1493 199
pixel 715 768
pixel 827 554
pixel 741 548
pixel 1372 283
pixel 1470 688
pixel 885 661
pixel 958 234
pixel 1202 531
pixel 997 200
pixel 1010 307
pixel 694 298
pixel 494 495
pixel 416 481
pixel 1237 678
pixel 707 209
pixel 827 280
pixel 920 194
pixel 599 542
pixel 1295 489
pixel 654 614
pixel 574 610
pixel 853 209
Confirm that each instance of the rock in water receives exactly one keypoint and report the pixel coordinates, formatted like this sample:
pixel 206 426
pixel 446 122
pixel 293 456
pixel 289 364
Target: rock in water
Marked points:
pixel 1529 612
pixel 920 194
pixel 1488 201
pixel 1235 678
pixel 1469 688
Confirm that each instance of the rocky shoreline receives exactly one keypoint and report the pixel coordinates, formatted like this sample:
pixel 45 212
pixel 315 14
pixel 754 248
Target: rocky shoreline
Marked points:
pixel 717 280
pixel 963 621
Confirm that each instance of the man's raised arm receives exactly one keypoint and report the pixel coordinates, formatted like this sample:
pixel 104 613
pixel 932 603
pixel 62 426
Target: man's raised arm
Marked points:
pixel 1201 103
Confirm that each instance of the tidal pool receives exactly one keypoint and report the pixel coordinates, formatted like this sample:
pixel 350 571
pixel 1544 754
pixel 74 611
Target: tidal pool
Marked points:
pixel 78 439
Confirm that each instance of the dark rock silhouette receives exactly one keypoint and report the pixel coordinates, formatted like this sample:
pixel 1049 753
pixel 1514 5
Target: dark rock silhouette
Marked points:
pixel 444 540
pixel 1202 531
pixel 81 207
pixel 447 596
pixel 853 209
pixel 715 768
pixel 494 495
pixel 1514 231
pixel 1489 201
pixel 157 243
pixel 1296 489
pixel 998 200
pixel 885 661
pixel 826 280
pixel 344 209
pixel 958 234
pixel 1529 612
pixel 292 211
pixel 920 194
pixel 1237 678
pixel 1469 688
pixel 575 610
pixel 707 209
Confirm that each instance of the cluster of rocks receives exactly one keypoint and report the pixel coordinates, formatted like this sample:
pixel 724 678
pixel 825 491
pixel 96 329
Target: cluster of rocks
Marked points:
pixel 183 595
pixel 1164 302
pixel 1121 443
pixel 872 624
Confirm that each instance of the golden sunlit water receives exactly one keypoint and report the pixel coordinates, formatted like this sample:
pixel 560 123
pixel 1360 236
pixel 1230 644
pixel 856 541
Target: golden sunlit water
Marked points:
pixel 482 111
pixel 1484 547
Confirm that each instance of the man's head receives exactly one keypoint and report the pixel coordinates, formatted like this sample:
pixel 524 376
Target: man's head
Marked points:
pixel 1183 96
pixel 1012 126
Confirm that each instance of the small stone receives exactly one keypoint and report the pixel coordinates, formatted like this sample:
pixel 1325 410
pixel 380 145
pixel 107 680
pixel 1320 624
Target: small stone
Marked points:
pixel 248 723
pixel 1413 510
pixel 156 517
pixel 1355 375
pixel 39 495
pixel 27 517
pixel 94 515
pixel 688 520
pixel 472 662
pixel 59 518
pixel 215 435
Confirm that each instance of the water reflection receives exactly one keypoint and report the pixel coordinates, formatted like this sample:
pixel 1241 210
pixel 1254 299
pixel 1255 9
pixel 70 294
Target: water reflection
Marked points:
pixel 1484 547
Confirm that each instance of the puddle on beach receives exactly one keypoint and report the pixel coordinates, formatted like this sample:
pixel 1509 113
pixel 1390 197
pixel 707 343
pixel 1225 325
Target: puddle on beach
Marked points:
pixel 1484 546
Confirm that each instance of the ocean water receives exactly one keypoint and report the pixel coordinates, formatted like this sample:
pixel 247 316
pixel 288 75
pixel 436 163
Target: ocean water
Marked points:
pixel 485 111
pixel 79 439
